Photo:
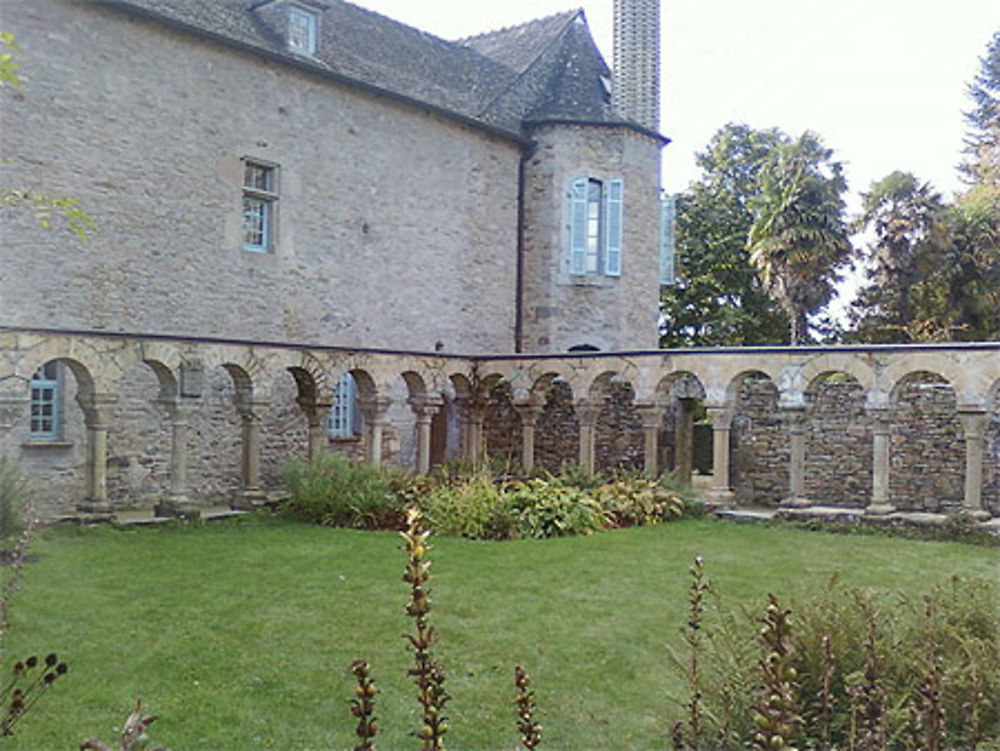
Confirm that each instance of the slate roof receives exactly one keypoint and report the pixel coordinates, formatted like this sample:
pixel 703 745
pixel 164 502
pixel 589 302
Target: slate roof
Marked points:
pixel 544 70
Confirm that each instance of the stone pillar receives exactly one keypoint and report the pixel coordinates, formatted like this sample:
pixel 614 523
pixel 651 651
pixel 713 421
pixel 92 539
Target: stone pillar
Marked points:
pixel 974 423
pixel 95 407
pixel 796 419
pixel 374 409
pixel 472 419
pixel 722 420
pixel 651 416
pixel 424 407
pixel 250 409
pixel 177 502
pixel 684 441
pixel 528 411
pixel 315 412
pixel 880 465
pixel 586 414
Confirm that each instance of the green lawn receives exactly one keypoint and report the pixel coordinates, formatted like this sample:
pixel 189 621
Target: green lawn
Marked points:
pixel 239 635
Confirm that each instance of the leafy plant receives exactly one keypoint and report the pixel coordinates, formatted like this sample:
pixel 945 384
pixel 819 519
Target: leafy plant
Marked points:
pixel 335 491
pixel 473 507
pixel 549 508
pixel 633 501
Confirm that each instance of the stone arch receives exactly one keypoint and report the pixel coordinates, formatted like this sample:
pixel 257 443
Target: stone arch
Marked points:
pixel 821 367
pixel 759 456
pixel 838 439
pixel 685 441
pixel 927 444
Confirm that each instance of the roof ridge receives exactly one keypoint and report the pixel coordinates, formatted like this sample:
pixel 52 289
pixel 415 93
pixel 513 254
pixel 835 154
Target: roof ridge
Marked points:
pixel 571 13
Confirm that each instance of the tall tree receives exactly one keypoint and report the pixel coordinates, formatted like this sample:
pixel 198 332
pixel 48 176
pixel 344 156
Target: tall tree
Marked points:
pixel 904 218
pixel 982 143
pixel 799 238
pixel 719 299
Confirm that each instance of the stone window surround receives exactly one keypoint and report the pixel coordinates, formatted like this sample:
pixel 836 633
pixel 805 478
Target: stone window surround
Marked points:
pixel 262 198
pixel 586 264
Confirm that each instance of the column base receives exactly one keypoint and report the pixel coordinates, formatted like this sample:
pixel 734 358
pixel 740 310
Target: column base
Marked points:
pixel 248 500
pixel 980 515
pixel 794 501
pixel 724 497
pixel 91 506
pixel 879 509
pixel 180 506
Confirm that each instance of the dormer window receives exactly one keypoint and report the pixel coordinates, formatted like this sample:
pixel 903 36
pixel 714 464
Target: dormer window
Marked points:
pixel 301 31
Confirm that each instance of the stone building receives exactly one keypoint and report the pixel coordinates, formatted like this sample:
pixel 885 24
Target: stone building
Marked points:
pixel 319 229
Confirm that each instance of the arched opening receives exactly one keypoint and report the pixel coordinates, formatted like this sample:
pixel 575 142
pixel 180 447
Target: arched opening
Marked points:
pixel 759 451
pixel 838 455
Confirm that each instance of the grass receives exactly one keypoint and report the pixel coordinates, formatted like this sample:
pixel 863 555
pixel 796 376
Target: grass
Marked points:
pixel 240 635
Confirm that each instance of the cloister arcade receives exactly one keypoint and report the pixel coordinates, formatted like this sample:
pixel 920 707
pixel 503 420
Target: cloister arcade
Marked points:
pixel 270 400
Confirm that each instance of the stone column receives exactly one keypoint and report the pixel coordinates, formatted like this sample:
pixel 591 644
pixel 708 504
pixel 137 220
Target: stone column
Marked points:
pixel 95 407
pixel 250 409
pixel 315 412
pixel 795 419
pixel 880 464
pixel 974 423
pixel 424 407
pixel 472 419
pixel 374 409
pixel 177 502
pixel 528 411
pixel 651 416
pixel 586 414
pixel 684 441
pixel 722 420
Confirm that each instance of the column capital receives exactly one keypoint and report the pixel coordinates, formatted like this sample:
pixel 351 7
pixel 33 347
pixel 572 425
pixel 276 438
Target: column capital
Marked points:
pixel 794 417
pixel 587 410
pixel 425 405
pixel 721 416
pixel 973 421
pixel 650 415
pixel 528 410
pixel 374 408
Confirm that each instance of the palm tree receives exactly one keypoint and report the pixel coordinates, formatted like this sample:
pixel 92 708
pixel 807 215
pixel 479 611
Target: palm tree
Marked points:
pixel 799 237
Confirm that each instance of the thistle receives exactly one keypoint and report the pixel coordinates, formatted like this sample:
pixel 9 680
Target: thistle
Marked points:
pixel 427 672
pixel 363 705
pixel 531 732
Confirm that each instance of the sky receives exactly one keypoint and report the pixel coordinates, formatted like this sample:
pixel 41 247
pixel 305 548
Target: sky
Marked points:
pixel 882 82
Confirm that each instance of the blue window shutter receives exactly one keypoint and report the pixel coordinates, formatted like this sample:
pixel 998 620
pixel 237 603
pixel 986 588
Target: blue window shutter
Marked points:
pixel 668 249
pixel 578 227
pixel 613 207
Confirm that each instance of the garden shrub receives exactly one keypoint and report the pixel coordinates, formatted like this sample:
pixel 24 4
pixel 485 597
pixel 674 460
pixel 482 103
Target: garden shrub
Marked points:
pixel 336 491
pixel 897 661
pixel 633 501
pixel 549 508
pixel 474 507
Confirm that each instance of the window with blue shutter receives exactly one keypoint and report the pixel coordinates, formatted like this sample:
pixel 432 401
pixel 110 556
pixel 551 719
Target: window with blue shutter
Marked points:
pixel 596 213
pixel 668 243
pixel 578 227
pixel 342 421
pixel 45 404
pixel 613 228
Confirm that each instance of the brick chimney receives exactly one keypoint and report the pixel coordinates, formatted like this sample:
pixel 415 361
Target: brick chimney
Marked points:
pixel 636 83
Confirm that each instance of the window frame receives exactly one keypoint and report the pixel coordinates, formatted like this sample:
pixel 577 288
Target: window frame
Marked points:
pixel 343 420
pixel 265 198
pixel 296 12
pixel 596 221
pixel 46 379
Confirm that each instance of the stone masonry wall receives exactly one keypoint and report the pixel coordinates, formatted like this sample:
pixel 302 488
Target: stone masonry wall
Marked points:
pixel 562 311
pixel 146 126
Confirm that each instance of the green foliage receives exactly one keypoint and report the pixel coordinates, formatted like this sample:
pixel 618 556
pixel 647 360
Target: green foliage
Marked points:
pixel 633 501
pixel 982 143
pixel 8 65
pixel 552 508
pixel 332 490
pixel 474 507
pixel 865 664
pixel 13 493
pixel 719 299
pixel 798 238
